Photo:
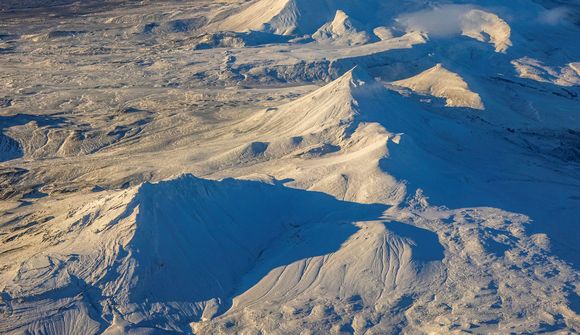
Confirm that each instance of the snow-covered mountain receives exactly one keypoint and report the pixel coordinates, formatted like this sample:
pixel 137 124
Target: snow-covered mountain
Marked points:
pixel 289 167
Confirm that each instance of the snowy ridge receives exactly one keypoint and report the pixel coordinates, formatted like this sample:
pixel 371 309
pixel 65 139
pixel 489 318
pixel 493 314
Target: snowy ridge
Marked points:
pixel 289 167
pixel 329 107
pixel 448 20
pixel 341 30
pixel 568 75
pixel 277 16
pixel 207 215
pixel 288 17
pixel 332 131
pixel 440 82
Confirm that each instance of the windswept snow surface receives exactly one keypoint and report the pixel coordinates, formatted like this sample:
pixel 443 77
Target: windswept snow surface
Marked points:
pixel 568 75
pixel 341 30
pixel 450 20
pixel 442 83
pixel 289 167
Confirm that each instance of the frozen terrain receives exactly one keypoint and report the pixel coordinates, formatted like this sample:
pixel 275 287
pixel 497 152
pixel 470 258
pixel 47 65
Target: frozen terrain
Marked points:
pixel 289 167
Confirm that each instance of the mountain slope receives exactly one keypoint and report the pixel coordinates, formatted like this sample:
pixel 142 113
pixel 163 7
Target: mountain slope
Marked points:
pixel 449 20
pixel 272 167
pixel 341 30
pixel 440 82
pixel 287 17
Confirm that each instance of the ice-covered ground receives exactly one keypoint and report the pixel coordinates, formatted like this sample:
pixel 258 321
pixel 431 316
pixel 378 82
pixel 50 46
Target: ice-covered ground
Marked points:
pixel 289 167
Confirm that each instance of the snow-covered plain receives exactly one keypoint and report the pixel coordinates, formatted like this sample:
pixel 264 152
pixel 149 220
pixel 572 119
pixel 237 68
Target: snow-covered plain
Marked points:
pixel 289 167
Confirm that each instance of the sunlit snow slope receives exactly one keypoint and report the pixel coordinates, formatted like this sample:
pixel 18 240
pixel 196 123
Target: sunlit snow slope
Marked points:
pixel 289 167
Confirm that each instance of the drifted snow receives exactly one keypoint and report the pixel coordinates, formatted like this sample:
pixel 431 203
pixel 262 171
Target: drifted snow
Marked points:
pixel 251 167
pixel 442 83
pixel 450 20
pixel 487 27
pixel 287 17
pixel 341 30
pixel 278 16
pixel 568 75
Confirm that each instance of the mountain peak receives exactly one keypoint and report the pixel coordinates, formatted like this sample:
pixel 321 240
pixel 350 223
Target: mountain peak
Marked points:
pixel 356 77
pixel 442 83
pixel 341 30
pixel 330 108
